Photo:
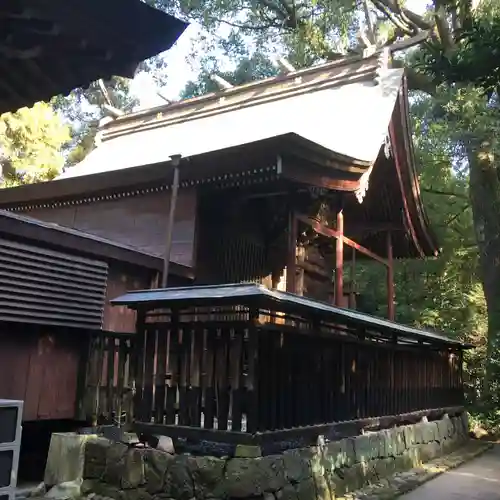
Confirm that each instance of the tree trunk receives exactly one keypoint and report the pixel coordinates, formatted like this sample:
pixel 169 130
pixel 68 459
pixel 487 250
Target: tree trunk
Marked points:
pixel 484 192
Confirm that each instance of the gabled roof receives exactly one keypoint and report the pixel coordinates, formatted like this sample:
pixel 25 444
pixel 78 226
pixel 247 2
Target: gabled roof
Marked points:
pixel 345 107
pixel 50 47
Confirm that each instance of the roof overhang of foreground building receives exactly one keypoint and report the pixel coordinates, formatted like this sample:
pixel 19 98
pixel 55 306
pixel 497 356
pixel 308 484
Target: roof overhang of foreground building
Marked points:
pixel 51 47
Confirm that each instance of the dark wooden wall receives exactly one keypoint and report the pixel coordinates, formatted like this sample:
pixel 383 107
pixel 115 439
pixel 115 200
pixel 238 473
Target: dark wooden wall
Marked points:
pixel 41 366
pixel 121 280
pixel 138 221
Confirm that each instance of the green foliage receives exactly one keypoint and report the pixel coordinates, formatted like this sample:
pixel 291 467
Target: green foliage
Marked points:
pixel 31 142
pixel 83 108
pixel 475 57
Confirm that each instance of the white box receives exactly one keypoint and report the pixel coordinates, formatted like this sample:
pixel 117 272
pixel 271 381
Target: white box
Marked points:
pixel 7 493
pixel 11 417
pixel 11 414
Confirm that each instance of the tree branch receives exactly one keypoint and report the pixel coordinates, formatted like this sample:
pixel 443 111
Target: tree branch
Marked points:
pixel 444 30
pixel 416 80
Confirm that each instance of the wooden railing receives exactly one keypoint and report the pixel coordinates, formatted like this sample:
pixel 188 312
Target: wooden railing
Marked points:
pixel 243 371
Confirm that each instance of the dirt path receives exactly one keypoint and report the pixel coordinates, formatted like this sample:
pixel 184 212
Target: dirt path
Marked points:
pixel 476 480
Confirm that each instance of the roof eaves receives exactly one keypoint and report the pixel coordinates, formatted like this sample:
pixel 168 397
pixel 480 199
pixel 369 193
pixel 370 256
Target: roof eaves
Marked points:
pixel 431 246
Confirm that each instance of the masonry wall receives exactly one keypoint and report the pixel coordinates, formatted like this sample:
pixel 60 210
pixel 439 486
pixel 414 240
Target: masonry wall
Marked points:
pixel 316 473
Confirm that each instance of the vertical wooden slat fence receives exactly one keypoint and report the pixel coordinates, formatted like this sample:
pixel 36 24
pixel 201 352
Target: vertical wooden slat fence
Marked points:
pixel 222 367
pixel 108 391
pixel 298 377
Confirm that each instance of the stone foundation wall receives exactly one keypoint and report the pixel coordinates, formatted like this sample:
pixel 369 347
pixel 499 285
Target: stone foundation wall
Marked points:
pixel 321 472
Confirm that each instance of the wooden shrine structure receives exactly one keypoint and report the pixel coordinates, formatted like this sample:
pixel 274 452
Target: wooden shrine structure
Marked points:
pixel 278 183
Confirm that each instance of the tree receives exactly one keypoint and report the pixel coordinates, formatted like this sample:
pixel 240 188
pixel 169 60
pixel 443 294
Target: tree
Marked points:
pixel 82 109
pixel 30 144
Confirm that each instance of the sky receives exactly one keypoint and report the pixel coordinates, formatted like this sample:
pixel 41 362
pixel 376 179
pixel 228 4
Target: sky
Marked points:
pixel 180 71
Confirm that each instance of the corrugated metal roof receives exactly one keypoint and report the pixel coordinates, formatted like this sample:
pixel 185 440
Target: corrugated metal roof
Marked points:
pixel 236 293
pixel 350 120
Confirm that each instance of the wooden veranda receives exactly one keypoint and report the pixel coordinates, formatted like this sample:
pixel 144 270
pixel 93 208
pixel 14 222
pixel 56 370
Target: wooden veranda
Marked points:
pixel 241 360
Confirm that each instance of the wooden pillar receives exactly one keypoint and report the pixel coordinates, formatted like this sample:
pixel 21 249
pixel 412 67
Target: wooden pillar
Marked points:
pixel 352 291
pixel 291 266
pixel 339 260
pixel 390 279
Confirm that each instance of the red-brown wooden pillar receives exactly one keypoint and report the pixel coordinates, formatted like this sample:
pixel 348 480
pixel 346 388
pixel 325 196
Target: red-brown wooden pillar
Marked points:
pixel 339 260
pixel 291 266
pixel 390 278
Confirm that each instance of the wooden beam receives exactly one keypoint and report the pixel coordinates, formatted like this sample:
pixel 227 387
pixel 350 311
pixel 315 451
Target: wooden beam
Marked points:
pixel 313 177
pixel 339 260
pixel 332 233
pixel 291 268
pixel 390 279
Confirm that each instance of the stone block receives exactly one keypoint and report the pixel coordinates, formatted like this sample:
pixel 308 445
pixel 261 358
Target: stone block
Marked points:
pixel 336 483
pixel 378 445
pixel 289 492
pixel 115 464
pixel 247 451
pixel 385 467
pixel 156 463
pixel 363 448
pixel 136 494
pixel 273 472
pixel 88 486
pixel 208 477
pixel 95 458
pixel 166 444
pixel 133 470
pixel 340 453
pixel 464 418
pixel 403 462
pixel 306 490
pixel 247 477
pixel 414 453
pixel 429 432
pixel 409 435
pixel 391 442
pixel 297 467
pixel 430 451
pixel 66 458
pixel 322 488
pixel 443 427
pixel 400 440
pixel 107 491
pixel 418 433
pixel 178 481
pixel 354 477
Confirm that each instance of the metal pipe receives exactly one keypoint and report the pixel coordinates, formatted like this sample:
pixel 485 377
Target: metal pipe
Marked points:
pixel 175 160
